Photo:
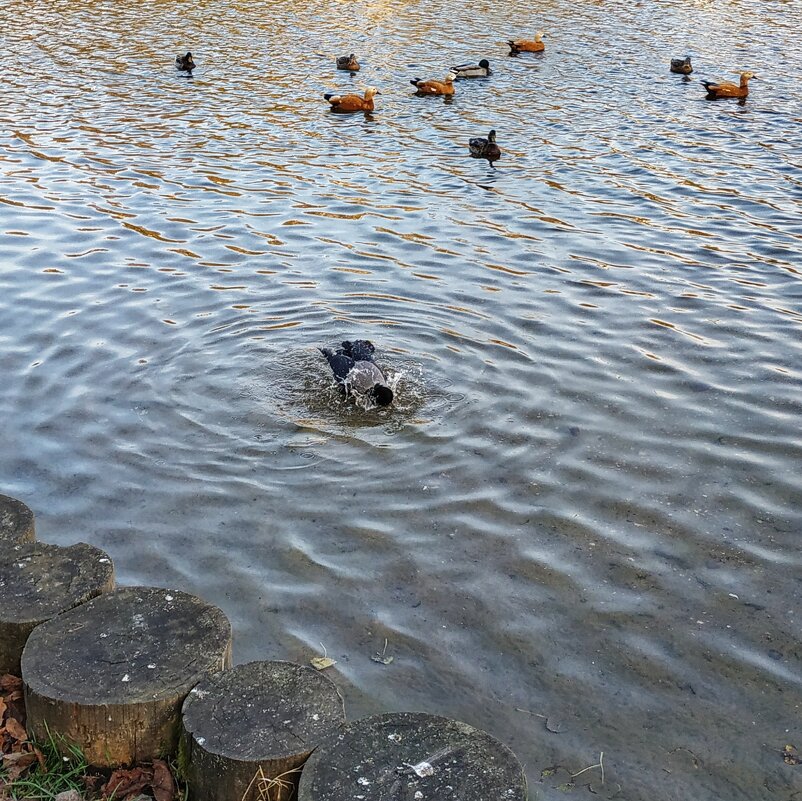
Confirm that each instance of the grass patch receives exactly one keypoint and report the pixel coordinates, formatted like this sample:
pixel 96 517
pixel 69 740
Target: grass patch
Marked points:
pixel 64 768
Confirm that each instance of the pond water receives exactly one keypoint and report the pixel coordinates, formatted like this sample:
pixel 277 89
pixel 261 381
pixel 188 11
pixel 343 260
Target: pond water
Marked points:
pixel 578 528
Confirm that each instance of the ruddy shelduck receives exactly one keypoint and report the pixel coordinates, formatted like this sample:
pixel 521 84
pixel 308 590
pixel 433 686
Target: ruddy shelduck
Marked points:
pixel 347 104
pixel 444 87
pixel 527 45
pixel 727 89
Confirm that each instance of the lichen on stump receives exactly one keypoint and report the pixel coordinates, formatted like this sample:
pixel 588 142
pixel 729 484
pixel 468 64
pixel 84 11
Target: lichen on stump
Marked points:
pixel 110 675
pixel 247 731
pixel 16 522
pixel 37 581
pixel 412 755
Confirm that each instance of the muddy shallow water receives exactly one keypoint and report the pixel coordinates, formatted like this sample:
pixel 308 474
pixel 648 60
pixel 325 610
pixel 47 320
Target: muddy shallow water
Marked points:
pixel 579 526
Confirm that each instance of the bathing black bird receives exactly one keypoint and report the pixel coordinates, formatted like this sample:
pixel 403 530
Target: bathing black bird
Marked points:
pixel 356 371
pixel 185 62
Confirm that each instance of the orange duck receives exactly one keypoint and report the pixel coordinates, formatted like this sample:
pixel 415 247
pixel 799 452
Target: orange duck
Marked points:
pixel 444 87
pixel 527 45
pixel 347 104
pixel 727 89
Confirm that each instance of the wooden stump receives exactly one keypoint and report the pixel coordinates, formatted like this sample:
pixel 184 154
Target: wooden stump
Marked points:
pixel 16 522
pixel 247 731
pixel 111 674
pixel 411 755
pixel 37 581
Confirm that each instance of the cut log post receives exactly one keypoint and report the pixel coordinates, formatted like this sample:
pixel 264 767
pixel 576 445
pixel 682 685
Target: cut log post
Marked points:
pixel 411 755
pixel 37 581
pixel 248 731
pixel 16 522
pixel 110 675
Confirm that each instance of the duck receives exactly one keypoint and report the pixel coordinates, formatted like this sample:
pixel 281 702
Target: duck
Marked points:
pixel 357 373
pixel 480 70
pixel 482 148
pixel 727 89
pixel 185 62
pixel 527 45
pixel 444 87
pixel 681 66
pixel 347 104
pixel 348 63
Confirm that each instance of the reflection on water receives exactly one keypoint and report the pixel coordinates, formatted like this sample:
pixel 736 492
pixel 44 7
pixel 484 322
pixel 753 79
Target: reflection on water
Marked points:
pixel 578 527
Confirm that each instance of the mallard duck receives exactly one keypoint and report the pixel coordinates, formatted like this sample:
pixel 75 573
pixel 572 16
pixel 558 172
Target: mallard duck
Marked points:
pixel 346 104
pixel 480 70
pixel 348 63
pixel 185 62
pixel 727 89
pixel 444 87
pixel 482 148
pixel 357 373
pixel 527 45
pixel 682 65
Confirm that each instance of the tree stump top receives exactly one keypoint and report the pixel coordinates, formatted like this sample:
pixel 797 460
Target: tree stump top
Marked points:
pixel 263 711
pixel 37 580
pixel 16 521
pixel 135 645
pixel 412 755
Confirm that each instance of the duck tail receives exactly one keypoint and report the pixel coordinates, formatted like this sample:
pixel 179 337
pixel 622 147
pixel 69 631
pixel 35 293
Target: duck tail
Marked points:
pixel 513 47
pixel 328 96
pixel 708 85
pixel 415 82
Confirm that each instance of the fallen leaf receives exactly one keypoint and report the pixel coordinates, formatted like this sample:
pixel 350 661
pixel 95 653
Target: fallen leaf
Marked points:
pixel 163 784
pixel 322 662
pixel 124 782
pixel 16 730
pixel 9 683
pixel 16 764
pixel 3 708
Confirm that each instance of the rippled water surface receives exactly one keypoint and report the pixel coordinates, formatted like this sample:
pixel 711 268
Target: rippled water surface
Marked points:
pixel 579 526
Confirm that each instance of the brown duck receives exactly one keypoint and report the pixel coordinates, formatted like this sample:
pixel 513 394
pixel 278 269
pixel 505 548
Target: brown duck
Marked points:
pixel 347 104
pixel 444 87
pixel 727 89
pixel 348 63
pixel 527 45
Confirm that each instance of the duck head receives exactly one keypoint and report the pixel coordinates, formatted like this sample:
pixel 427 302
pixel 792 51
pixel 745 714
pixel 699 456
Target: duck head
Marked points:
pixel 539 36
pixel 484 63
pixel 491 137
pixel 371 92
pixel 451 77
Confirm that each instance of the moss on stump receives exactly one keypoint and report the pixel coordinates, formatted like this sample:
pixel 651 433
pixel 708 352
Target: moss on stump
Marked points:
pixel 412 755
pixel 111 674
pixel 247 731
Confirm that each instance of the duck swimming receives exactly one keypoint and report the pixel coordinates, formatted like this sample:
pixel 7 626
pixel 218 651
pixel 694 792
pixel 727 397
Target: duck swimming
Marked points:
pixel 347 104
pixel 185 62
pixel 527 45
pixel 444 87
pixel 716 91
pixel 356 371
pixel 482 148
pixel 348 63
pixel 682 66
pixel 480 70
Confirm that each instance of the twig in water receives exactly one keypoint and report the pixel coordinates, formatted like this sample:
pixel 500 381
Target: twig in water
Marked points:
pixel 600 764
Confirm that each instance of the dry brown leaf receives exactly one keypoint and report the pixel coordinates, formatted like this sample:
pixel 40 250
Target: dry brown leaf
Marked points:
pixel 124 782
pixel 163 785
pixel 17 764
pixel 3 708
pixel 16 730
pixel 322 662
pixel 41 757
pixel 9 683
